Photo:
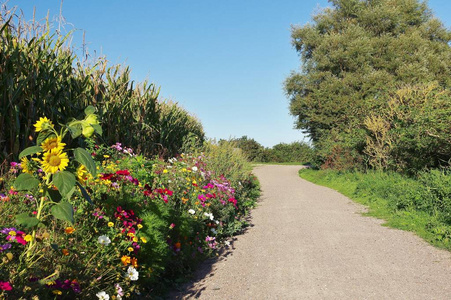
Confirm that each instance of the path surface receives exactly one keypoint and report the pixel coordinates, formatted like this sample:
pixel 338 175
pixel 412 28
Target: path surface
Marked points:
pixel 310 242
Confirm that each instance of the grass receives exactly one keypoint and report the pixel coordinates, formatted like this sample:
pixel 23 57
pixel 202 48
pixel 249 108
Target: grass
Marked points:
pixel 386 195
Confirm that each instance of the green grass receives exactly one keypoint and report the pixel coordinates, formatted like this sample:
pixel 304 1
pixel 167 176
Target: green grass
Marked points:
pixel 397 199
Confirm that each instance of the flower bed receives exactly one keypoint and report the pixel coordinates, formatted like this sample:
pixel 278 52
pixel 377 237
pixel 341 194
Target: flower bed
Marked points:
pixel 127 226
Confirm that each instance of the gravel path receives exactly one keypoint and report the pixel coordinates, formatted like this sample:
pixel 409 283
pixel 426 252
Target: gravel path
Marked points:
pixel 310 242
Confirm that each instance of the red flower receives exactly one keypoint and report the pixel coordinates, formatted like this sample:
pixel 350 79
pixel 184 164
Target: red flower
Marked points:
pixel 123 172
pixel 107 176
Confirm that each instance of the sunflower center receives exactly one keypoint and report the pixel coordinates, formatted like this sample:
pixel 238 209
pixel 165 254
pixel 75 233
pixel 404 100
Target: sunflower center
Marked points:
pixel 53 144
pixel 54 161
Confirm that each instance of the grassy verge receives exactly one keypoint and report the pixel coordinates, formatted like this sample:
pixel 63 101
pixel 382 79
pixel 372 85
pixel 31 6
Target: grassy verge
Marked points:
pixel 418 205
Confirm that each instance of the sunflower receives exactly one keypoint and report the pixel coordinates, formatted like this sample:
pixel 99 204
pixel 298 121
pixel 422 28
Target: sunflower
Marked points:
pixel 83 174
pixel 43 124
pixel 53 143
pixel 25 165
pixel 54 160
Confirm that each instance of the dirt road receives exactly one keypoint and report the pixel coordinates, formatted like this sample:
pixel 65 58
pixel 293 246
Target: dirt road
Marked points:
pixel 310 242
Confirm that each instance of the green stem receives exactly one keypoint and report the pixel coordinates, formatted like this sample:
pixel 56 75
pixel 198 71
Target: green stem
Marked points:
pixel 40 208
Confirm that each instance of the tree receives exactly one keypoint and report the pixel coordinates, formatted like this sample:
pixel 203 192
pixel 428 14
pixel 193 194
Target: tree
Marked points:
pixel 250 147
pixel 353 55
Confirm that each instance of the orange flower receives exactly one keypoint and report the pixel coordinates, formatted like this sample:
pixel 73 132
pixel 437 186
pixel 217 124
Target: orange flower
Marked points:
pixel 178 245
pixel 134 262
pixel 125 260
pixel 65 252
pixel 184 200
pixel 69 230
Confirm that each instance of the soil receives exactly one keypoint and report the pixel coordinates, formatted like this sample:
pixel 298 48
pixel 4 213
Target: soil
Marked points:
pixel 310 242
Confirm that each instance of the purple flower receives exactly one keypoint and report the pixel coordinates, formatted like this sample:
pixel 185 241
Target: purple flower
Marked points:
pixel 119 289
pixel 210 238
pixel 5 247
pixel 117 146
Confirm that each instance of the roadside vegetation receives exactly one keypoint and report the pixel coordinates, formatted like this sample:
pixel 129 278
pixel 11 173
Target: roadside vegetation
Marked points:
pixel 293 153
pixel 421 205
pixel 373 96
pixel 106 190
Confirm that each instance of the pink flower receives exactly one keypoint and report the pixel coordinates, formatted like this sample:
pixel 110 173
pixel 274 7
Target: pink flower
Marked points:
pixel 171 226
pixel 5 286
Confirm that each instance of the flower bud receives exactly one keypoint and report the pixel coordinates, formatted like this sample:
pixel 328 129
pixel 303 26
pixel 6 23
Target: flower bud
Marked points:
pixel 91 119
pixel 88 131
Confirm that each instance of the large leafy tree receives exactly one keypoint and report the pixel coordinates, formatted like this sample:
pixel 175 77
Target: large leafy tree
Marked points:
pixel 353 54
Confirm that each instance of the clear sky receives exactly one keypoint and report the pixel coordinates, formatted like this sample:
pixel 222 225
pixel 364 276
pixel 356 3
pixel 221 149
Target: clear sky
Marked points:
pixel 223 61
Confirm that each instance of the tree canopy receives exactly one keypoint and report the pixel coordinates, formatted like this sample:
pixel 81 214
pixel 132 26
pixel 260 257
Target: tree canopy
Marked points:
pixel 354 54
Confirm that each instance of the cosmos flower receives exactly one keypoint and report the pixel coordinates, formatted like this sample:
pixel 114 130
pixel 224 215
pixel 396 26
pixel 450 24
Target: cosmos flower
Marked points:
pixel 104 240
pixel 132 274
pixel 103 296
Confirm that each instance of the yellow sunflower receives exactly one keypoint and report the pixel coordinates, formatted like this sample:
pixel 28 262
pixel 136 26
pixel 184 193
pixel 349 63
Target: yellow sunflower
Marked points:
pixel 25 164
pixel 53 143
pixel 54 160
pixel 83 174
pixel 43 124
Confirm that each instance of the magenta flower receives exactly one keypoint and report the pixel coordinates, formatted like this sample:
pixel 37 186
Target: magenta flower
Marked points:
pixel 5 286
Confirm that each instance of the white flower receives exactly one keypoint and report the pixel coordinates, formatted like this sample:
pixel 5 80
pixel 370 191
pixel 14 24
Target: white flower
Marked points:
pixel 210 215
pixel 227 243
pixel 194 169
pixel 104 240
pixel 103 296
pixel 132 274
pixel 192 211
pixel 118 297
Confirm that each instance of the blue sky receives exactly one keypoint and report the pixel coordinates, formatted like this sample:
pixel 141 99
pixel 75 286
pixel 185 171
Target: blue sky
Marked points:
pixel 224 61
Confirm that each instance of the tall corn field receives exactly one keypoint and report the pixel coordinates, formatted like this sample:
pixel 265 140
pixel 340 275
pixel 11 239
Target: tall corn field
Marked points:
pixel 40 75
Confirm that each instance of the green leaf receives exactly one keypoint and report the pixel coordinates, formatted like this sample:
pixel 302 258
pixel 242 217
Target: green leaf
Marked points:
pixel 83 157
pixel 97 128
pixel 25 182
pixel 55 196
pixel 64 181
pixel 63 211
pixel 30 150
pixel 24 219
pixel 84 193
pixel 75 131
pixel 90 110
